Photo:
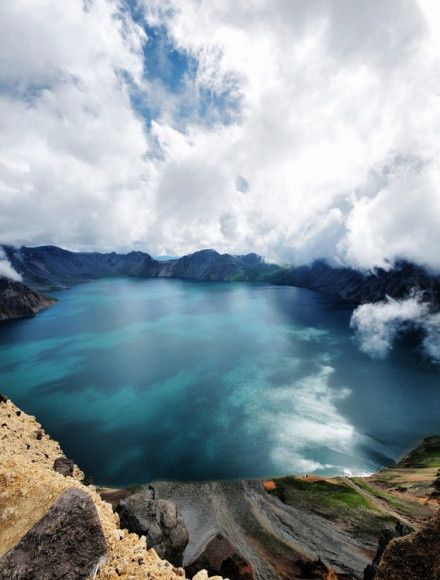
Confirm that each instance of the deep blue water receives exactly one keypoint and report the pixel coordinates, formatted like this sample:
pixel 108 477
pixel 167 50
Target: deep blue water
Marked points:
pixel 143 379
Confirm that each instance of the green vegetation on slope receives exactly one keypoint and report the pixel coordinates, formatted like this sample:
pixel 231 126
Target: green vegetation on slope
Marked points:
pixel 335 500
pixel 427 454
pixel 393 501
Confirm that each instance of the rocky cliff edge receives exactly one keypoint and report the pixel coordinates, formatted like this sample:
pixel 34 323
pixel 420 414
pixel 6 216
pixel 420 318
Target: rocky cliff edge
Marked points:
pixel 29 487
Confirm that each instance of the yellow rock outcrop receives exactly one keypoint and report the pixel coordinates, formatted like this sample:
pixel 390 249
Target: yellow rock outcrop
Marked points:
pixel 29 486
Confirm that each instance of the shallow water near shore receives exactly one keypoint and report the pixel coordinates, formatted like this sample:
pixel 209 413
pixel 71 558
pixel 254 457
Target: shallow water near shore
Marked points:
pixel 147 379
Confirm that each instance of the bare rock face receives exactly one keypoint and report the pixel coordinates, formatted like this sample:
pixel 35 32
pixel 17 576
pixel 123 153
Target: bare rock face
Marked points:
pixel 19 301
pixel 416 556
pixel 158 520
pixel 220 557
pixel 385 538
pixel 67 542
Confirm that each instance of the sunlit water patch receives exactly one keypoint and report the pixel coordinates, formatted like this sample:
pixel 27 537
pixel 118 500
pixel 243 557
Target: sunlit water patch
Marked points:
pixel 143 379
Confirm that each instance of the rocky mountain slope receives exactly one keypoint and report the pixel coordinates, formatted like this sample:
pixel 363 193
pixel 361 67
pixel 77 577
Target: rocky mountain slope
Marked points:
pixel 19 301
pixel 319 526
pixel 281 529
pixel 311 527
pixel 41 527
pixel 51 268
pixel 361 287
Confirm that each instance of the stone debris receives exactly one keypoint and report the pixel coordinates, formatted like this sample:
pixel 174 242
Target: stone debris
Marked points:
pixel 29 486
pixel 203 575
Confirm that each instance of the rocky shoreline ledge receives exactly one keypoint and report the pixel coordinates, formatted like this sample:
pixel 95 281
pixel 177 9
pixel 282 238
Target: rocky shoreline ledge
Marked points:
pixel 52 525
pixel 19 301
pixel 312 527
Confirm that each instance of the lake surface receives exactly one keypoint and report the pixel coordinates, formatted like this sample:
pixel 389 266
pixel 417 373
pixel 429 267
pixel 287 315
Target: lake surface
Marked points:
pixel 143 379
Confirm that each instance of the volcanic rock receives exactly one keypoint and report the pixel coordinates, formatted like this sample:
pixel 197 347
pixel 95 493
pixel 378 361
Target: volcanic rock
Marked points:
pixel 158 520
pixel 220 557
pixel 386 535
pixel 416 556
pixel 67 542
pixel 64 466
pixel 19 301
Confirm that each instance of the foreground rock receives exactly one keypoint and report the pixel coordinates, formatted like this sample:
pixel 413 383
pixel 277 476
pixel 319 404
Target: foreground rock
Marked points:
pixel 416 557
pixel 19 301
pixel 29 487
pixel 385 538
pixel 158 520
pixel 67 542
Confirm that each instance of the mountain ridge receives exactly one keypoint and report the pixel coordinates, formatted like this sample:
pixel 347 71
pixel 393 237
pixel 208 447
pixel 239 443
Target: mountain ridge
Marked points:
pixel 19 301
pixel 359 287
pixel 50 268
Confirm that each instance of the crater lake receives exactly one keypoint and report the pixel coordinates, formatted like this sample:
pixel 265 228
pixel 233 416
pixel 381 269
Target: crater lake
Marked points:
pixel 146 379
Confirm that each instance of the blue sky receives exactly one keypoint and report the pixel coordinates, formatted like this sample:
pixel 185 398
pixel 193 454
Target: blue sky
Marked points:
pixel 293 129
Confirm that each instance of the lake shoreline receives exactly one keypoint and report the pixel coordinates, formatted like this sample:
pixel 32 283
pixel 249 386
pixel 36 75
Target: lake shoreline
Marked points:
pixel 191 381
pixel 243 511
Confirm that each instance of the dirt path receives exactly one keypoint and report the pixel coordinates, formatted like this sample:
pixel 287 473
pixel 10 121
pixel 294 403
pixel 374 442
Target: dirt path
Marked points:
pixel 382 504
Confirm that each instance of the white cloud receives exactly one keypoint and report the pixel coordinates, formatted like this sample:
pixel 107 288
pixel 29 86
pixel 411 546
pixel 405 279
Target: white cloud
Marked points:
pixel 6 270
pixel 378 325
pixel 72 149
pixel 327 111
pixel 339 105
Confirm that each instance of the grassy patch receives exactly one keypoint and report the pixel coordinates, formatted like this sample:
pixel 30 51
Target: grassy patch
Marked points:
pixel 427 454
pixel 296 490
pixel 379 494
pixel 337 501
pixel 408 507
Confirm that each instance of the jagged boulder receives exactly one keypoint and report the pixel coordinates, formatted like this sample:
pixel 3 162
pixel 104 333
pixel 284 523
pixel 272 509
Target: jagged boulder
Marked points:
pixel 67 542
pixel 416 556
pixel 159 520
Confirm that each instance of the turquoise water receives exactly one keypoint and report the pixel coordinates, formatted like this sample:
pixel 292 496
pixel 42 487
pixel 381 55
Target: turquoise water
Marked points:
pixel 143 379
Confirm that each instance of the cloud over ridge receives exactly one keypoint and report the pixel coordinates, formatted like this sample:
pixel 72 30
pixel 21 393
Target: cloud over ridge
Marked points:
pixel 6 270
pixel 378 325
pixel 295 130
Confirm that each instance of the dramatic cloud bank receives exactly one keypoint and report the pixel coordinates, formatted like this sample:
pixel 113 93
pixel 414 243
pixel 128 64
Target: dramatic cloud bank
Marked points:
pixel 378 325
pixel 6 270
pixel 294 129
